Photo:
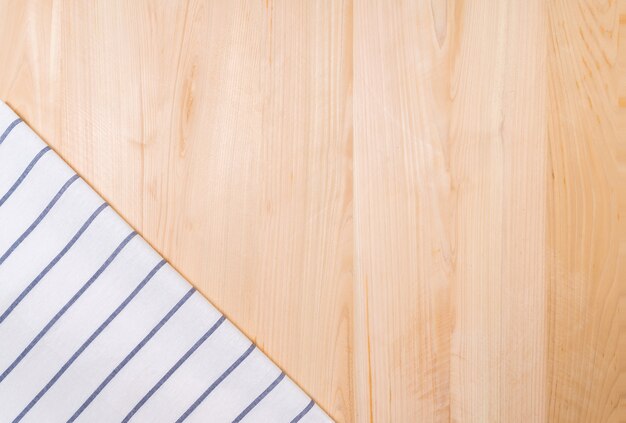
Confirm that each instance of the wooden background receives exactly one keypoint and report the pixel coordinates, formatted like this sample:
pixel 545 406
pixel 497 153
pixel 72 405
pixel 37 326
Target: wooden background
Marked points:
pixel 417 208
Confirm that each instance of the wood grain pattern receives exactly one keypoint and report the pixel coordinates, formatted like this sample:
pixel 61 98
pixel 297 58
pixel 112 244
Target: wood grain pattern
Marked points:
pixel 450 168
pixel 417 208
pixel 587 236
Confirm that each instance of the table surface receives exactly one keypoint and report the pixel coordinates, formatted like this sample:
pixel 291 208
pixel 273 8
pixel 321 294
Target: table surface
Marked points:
pixel 418 209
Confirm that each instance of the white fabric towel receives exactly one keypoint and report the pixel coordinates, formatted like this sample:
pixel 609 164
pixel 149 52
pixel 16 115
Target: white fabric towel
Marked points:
pixel 96 327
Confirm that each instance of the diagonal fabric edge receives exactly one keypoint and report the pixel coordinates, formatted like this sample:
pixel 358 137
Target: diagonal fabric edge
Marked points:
pixel 96 326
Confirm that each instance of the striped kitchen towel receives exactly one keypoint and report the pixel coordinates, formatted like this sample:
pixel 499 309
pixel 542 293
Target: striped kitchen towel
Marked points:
pixel 96 327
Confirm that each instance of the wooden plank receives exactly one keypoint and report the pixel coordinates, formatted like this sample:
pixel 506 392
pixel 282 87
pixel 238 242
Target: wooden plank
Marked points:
pixel 587 211
pixel 404 209
pixel 450 210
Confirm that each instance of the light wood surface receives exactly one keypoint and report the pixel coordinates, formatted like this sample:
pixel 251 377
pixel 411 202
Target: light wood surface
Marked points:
pixel 417 208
